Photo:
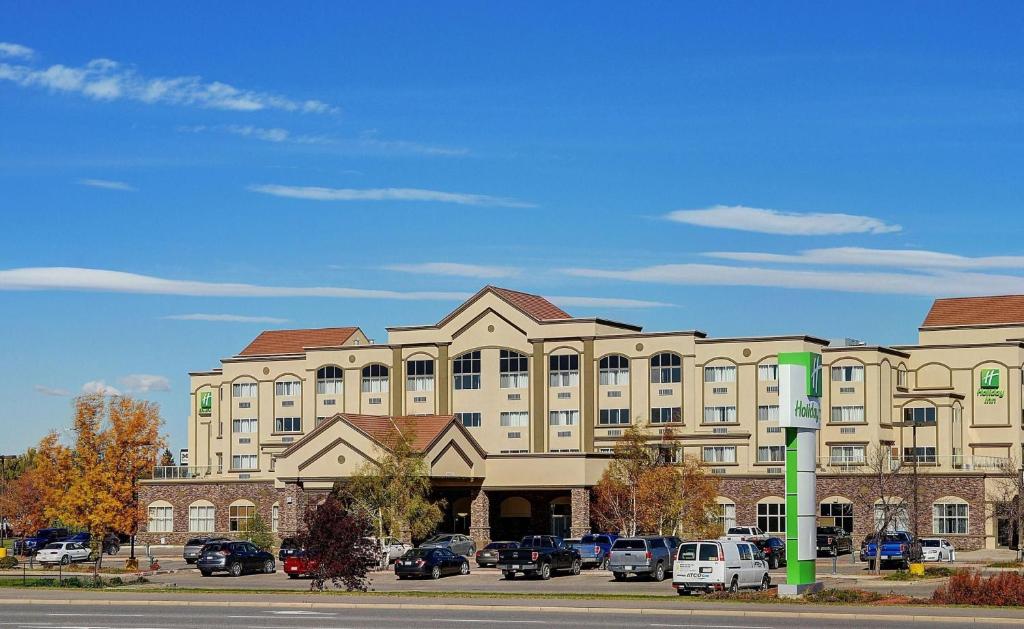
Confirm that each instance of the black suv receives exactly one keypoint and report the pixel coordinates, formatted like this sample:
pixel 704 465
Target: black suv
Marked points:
pixel 235 558
pixel 774 551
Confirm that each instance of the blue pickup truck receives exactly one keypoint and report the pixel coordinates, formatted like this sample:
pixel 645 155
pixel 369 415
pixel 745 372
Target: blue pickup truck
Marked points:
pixel 594 548
pixel 898 548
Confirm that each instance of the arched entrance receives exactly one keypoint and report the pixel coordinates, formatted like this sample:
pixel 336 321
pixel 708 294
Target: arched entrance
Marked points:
pixel 561 516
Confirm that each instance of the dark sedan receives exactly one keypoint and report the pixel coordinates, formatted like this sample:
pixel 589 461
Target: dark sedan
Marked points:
pixel 235 558
pixel 430 562
pixel 774 551
pixel 488 555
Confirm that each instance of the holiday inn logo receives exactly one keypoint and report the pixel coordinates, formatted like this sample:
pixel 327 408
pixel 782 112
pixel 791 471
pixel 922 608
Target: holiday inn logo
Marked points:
pixel 988 386
pixel 989 378
pixel 206 403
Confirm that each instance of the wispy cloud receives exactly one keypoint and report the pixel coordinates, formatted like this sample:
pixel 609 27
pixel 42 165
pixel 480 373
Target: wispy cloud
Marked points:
pixel 51 391
pixel 859 256
pixel 16 51
pixel 935 283
pixel 456 269
pixel 314 193
pixel 144 383
pixel 766 221
pixel 108 80
pixel 366 143
pixel 107 184
pixel 226 318
pixel 605 302
pixel 99 387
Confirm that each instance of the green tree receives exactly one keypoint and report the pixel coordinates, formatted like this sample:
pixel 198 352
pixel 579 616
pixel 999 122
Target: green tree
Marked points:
pixel 167 458
pixel 257 532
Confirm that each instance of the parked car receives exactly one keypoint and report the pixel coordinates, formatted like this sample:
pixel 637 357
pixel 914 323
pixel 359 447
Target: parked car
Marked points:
pixel 430 562
pixel 774 551
pixel 235 558
pixel 194 547
pixel 719 565
pixel 539 555
pixel 63 553
pixel 391 549
pixel 111 542
pixel 649 556
pixel 833 540
pixel 43 537
pixel 602 543
pixel 898 548
pixel 458 544
pixel 937 549
pixel 744 533
pixel 488 555
pixel 299 564
pixel 289 547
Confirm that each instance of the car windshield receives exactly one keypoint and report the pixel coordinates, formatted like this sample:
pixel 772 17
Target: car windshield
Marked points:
pixel 212 548
pixel 629 544
pixel 738 530
pixel 930 543
pixel 419 552
pixel 437 539
pixel 500 545
pixel 196 541
pixel 687 552
pixel 532 542
pixel 54 546
pixel 289 542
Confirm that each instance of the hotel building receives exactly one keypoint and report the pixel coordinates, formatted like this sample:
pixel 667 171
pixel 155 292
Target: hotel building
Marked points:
pixel 516 406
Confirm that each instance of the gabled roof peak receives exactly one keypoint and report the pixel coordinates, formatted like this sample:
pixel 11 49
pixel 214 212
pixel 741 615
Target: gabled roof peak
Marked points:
pixel 534 306
pixel 278 342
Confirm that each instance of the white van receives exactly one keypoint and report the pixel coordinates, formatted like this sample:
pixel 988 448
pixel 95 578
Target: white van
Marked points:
pixel 719 565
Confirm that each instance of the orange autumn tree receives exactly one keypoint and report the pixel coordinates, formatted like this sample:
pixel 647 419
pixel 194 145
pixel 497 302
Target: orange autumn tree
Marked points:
pixel 21 505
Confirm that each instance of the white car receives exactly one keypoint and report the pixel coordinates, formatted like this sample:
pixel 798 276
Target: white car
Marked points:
pixel 63 553
pixel 744 534
pixel 390 549
pixel 937 549
pixel 722 564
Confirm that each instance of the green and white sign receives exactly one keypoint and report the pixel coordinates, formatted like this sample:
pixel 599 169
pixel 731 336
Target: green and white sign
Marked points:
pixel 989 387
pixel 800 390
pixel 206 402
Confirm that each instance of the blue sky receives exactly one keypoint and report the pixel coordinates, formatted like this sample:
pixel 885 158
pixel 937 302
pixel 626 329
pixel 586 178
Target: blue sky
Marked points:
pixel 721 166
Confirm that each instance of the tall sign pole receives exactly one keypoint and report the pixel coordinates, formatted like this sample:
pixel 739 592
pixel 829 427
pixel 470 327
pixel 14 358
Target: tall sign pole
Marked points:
pixel 800 384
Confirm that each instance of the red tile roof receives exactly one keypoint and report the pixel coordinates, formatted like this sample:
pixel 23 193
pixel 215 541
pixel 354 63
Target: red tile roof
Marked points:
pixel 423 429
pixel 274 342
pixel 1002 309
pixel 533 305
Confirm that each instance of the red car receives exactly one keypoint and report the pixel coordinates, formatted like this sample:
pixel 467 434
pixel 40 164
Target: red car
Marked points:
pixel 299 565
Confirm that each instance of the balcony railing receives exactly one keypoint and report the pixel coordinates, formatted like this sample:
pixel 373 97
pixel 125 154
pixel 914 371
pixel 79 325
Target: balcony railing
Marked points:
pixel 178 472
pixel 957 462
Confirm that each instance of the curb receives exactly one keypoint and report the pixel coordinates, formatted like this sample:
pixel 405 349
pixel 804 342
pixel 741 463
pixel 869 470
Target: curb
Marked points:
pixel 917 618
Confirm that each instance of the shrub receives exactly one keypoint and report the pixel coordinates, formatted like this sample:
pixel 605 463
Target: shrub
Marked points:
pixel 843 596
pixel 336 539
pixel 6 563
pixel 970 588
pixel 257 532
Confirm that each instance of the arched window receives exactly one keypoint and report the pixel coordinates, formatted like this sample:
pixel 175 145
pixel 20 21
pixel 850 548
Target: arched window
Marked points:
pixel 240 513
pixel 161 517
pixel 466 370
pixel 771 515
pixel 201 517
pixel 328 380
pixel 375 379
pixel 515 507
pixel 564 370
pixel 666 368
pixel 614 370
pixel 419 375
pixel 950 516
pixel 840 509
pixel 514 369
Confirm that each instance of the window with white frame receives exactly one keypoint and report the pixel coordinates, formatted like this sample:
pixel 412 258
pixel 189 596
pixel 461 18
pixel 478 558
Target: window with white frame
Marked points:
pixel 375 379
pixel 419 375
pixel 613 416
pixel 200 518
pixel 719 414
pixel 161 519
pixel 564 370
pixel 668 455
pixel 243 462
pixel 564 418
pixel 771 517
pixel 768 373
pixel 850 373
pixel 244 389
pixel 847 455
pixel 720 374
pixel 613 370
pixel 514 370
pixel 727 515
pixel 666 415
pixel 950 518
pixel 922 454
pixel 922 415
pixel 329 380
pixel 287 388
pixel 239 517
pixel 771 454
pixel 719 454
pixel 469 420
pixel 901 378
pixel 768 413
pixel 275 518
pixel 466 370
pixel 287 424
pixel 244 426
pixel 666 368
pixel 514 419
pixel 847 414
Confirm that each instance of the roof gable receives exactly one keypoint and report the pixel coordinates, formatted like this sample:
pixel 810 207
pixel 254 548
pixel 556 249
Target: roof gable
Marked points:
pixel 277 342
pixel 994 310
pixel 533 306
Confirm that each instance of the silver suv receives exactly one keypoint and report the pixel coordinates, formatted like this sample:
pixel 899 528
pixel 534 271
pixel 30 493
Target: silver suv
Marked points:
pixel 649 556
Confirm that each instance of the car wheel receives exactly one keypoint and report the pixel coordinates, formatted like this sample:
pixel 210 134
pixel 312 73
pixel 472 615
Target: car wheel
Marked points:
pixel 834 551
pixel 293 576
pixel 619 576
pixel 435 572
pixel 235 569
pixel 735 585
pixel 545 571
pixel 268 566
pixel 508 575
pixel 766 582
pixel 773 563
pixel 65 560
pixel 603 565
pixel 205 573
pixel 683 592
pixel 659 573
pixel 189 562
pixel 576 566
pixel 464 569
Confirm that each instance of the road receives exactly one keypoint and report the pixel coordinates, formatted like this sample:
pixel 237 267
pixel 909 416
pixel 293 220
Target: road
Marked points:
pixel 227 617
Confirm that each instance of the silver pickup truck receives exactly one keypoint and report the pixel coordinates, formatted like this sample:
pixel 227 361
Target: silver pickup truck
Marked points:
pixel 650 556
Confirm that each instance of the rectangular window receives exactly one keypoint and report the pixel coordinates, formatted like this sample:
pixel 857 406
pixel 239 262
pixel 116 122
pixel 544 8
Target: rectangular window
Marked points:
pixel 925 415
pixel 769 413
pixel 200 519
pixel 613 416
pixel 329 386
pixel 901 378
pixel 848 374
pixel 771 454
pixel 288 424
pixel 243 462
pixel 419 375
pixel 768 373
pixel 949 518
pixel 244 389
pixel 564 370
pixel 727 516
pixel 669 455
pixel 288 388
pixel 275 518
pixel 771 517
pixel 924 455
pixel 719 414
pixel 846 455
pixel 161 519
pixel 666 415
pixel 514 370
pixel 719 454
pixel 842 512
pixel 239 517
pixel 846 414
pixel 614 370
pixel 243 426
pixel 720 374
pixel 469 420
pixel 514 418
pixel 564 418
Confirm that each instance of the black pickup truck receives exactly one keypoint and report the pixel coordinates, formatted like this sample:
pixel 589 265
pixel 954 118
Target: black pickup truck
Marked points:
pixel 833 540
pixel 539 555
